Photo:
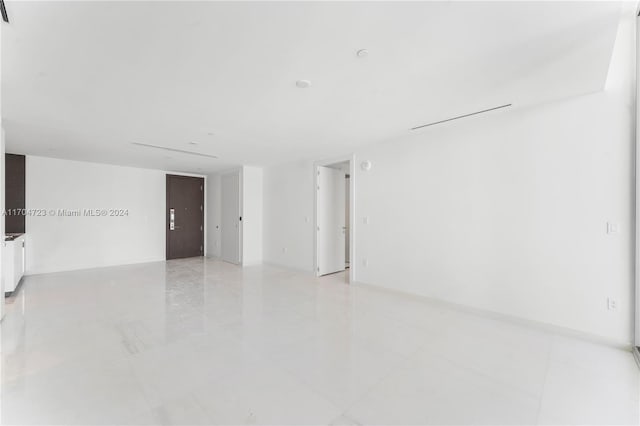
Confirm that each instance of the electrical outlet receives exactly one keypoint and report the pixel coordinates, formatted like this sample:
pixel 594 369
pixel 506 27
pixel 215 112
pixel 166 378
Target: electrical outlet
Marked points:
pixel 612 304
pixel 284 249
pixel 613 228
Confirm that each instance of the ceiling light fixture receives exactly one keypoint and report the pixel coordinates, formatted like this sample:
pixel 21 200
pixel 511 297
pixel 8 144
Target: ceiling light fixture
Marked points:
pixel 193 143
pixel 181 151
pixel 303 84
pixel 362 53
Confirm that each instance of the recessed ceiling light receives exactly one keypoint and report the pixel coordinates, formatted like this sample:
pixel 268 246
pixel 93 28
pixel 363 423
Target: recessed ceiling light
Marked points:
pixel 303 84
pixel 362 53
pixel 210 133
pixel 193 143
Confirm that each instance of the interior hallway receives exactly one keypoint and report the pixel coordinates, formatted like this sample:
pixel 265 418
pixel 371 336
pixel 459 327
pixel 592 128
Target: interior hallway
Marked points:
pixel 199 341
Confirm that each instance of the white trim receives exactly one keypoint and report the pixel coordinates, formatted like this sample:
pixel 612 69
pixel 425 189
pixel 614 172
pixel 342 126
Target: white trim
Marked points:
pixel 351 158
pixel 183 174
pixel 293 269
pixel 113 265
pixel 523 322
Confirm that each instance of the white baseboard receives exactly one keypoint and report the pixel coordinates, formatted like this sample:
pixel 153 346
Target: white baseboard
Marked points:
pixel 89 267
pixel 279 265
pixel 549 328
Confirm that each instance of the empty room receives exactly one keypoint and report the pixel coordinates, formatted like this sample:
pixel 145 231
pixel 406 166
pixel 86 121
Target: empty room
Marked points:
pixel 319 213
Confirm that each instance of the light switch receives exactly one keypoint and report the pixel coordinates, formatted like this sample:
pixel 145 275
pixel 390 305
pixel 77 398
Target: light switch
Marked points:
pixel 365 220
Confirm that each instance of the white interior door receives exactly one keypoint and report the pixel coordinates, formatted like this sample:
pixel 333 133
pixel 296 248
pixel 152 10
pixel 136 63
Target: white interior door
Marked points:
pixel 231 223
pixel 331 220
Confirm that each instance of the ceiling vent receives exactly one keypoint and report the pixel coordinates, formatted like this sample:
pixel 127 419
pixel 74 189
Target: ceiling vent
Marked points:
pixel 182 151
pixel 460 116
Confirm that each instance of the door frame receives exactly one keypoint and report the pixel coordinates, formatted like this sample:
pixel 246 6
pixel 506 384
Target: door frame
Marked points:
pixel 204 210
pixel 636 204
pixel 237 171
pixel 352 212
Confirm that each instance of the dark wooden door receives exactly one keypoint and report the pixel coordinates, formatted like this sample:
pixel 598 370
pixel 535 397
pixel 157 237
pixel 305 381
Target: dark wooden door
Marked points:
pixel 14 195
pixel 185 200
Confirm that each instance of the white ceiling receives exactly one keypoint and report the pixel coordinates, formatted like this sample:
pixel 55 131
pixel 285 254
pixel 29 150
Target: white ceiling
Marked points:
pixel 82 80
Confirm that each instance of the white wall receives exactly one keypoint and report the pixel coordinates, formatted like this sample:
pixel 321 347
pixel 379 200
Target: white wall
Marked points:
pixel 508 214
pixel 288 215
pixel 214 218
pixel 252 215
pixel 2 221
pixel 2 205
pixel 68 243
pixel 505 212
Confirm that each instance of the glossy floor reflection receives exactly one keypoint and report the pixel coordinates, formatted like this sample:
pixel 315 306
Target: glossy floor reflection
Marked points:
pixel 199 342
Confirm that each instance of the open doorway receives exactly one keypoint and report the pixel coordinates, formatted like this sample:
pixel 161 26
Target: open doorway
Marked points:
pixel 334 211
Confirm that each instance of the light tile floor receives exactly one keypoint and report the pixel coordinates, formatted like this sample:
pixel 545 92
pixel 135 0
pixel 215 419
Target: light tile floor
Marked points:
pixel 199 341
